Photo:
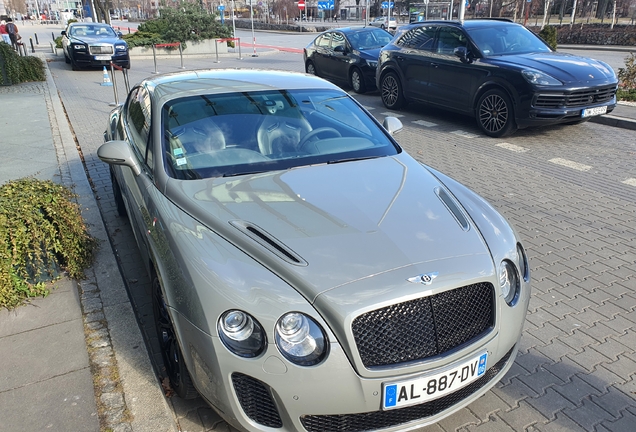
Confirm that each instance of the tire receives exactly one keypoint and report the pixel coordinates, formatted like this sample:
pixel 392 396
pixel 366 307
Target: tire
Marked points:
pixel 391 91
pixel 356 80
pixel 119 199
pixel 495 114
pixel 175 368
pixel 310 68
pixel 382 26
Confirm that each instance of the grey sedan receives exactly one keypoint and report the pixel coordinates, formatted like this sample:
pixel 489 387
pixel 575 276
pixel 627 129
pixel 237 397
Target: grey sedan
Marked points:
pixel 308 274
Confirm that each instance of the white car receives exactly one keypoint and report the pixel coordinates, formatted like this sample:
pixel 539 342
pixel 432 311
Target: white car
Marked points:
pixel 384 23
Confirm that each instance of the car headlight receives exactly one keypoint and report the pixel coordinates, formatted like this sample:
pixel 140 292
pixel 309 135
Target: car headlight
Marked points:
pixel 372 63
pixel 300 339
pixel 79 47
pixel 241 333
pixel 539 78
pixel 509 282
pixel 121 47
pixel 522 258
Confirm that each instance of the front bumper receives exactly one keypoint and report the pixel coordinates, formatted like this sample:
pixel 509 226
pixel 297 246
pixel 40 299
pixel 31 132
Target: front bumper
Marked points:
pixel 84 59
pixel 269 392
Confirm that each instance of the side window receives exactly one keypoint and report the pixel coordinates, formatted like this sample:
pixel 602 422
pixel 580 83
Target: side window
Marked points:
pixel 138 119
pixel 419 38
pixel 325 40
pixel 338 40
pixel 449 39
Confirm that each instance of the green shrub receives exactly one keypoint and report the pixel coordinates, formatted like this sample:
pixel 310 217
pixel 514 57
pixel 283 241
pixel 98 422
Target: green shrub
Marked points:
pixel 19 69
pixel 627 75
pixel 549 35
pixel 626 95
pixel 58 42
pixel 186 23
pixel 41 230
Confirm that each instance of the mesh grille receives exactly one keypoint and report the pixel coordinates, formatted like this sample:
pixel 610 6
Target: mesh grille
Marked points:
pixel 256 400
pixel 424 327
pixel 577 98
pixel 384 419
pixel 101 49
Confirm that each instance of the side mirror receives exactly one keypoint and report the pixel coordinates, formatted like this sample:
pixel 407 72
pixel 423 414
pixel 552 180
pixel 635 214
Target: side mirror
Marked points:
pixel 63 33
pixel 462 53
pixel 340 49
pixel 392 124
pixel 120 35
pixel 118 153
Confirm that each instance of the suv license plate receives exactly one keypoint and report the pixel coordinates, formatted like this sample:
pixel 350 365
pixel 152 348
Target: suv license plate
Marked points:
pixel 103 57
pixel 419 390
pixel 589 112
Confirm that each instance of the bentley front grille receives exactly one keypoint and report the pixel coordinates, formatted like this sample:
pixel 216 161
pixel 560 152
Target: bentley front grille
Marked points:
pixel 425 327
pixel 256 400
pixel 385 419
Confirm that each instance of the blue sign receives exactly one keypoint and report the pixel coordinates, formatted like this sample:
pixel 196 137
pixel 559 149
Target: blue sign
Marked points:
pixel 325 5
pixel 221 7
pixel 387 5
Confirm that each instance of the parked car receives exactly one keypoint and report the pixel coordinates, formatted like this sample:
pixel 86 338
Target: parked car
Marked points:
pixel 384 22
pixel 93 44
pixel 347 55
pixel 307 273
pixel 495 70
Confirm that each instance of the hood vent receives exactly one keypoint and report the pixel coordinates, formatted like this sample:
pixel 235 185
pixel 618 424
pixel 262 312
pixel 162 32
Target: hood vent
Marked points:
pixel 452 206
pixel 269 242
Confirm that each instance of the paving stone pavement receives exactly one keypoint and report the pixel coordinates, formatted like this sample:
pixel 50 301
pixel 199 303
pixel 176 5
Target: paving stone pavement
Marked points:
pixel 576 368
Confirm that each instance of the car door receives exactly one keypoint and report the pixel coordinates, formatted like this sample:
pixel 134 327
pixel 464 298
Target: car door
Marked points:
pixel 322 54
pixel 137 129
pixel 340 57
pixel 452 82
pixel 414 60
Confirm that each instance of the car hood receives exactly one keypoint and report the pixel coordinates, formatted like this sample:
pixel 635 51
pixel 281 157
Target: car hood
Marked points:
pixel 565 67
pixel 323 227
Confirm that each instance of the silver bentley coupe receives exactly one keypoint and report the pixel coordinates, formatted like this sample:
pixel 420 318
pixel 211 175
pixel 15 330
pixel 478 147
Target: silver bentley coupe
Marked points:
pixel 308 274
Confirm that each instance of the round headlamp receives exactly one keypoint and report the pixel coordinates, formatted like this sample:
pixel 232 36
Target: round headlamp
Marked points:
pixel 509 282
pixel 241 333
pixel 300 339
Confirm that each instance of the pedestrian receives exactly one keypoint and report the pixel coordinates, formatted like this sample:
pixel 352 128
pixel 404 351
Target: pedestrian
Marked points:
pixel 335 17
pixel 12 30
pixel 3 32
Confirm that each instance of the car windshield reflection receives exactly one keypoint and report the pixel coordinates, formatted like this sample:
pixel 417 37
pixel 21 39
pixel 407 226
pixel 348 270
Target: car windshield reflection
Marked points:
pixel 494 41
pixel 365 40
pixel 251 132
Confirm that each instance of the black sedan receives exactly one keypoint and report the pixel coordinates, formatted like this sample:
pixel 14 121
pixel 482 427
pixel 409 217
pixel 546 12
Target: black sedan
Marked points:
pixel 93 44
pixel 495 70
pixel 347 55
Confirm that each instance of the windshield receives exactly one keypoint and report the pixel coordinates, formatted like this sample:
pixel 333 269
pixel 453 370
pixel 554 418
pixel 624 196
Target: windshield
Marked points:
pixel 92 30
pixel 510 39
pixel 248 132
pixel 369 39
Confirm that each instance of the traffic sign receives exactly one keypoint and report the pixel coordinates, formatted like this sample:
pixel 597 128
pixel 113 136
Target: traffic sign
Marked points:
pixel 221 7
pixel 301 4
pixel 386 5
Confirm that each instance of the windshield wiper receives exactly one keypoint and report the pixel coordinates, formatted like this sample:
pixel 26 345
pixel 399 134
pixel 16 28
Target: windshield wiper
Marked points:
pixel 243 173
pixel 351 159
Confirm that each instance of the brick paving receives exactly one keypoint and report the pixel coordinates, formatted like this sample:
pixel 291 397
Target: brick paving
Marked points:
pixel 576 368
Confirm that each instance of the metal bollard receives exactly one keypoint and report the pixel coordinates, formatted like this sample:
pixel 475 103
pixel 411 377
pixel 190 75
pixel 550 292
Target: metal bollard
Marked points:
pixel 240 57
pixel 31 42
pixel 128 30
pixel 181 55
pixel 154 56
pixel 37 42
pixel 216 48
pixel 52 35
pixel 112 72
pixel 125 71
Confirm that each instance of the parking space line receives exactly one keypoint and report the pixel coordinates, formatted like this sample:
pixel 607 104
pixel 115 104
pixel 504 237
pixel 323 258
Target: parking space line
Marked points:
pixel 392 114
pixel 368 108
pixel 630 182
pixel 512 147
pixel 464 134
pixel 570 164
pixel 424 123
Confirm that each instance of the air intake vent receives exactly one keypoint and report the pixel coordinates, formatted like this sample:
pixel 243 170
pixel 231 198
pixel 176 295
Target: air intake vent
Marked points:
pixel 269 242
pixel 452 206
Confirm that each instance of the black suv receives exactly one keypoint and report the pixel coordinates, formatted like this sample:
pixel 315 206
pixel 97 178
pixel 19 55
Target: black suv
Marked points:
pixel 495 70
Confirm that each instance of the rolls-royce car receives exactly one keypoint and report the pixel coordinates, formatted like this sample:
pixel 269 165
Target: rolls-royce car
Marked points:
pixel 92 45
pixel 496 71
pixel 307 273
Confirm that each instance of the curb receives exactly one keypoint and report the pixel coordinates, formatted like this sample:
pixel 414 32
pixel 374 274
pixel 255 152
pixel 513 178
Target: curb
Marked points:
pixel 610 120
pixel 127 391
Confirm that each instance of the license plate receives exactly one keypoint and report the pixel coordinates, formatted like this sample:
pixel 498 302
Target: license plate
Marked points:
pixel 589 112
pixel 419 390
pixel 103 57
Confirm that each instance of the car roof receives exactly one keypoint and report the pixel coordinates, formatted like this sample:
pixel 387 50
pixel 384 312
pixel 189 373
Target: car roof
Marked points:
pixel 467 24
pixel 348 30
pixel 89 24
pixel 218 81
